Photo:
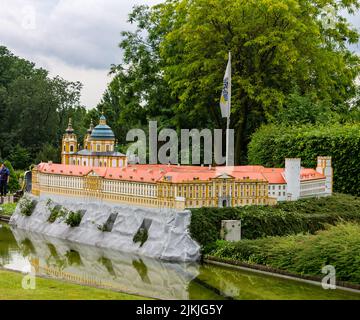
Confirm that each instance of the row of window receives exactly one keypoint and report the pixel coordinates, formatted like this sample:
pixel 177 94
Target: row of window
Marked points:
pixel 279 187
pixel 313 185
pixel 97 148
pixel 140 189
pixel 61 181
pixel 238 202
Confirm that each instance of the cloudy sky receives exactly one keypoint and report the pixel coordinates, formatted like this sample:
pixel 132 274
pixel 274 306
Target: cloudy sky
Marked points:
pixel 76 39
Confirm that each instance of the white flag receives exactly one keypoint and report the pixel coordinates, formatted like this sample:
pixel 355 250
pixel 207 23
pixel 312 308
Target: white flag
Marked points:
pixel 225 100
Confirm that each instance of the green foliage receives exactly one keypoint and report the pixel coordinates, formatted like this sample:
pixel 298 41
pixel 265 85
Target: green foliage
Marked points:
pixel 271 144
pixel 7 209
pixel 141 236
pixel 48 153
pixel 304 109
pixel 309 215
pixel 174 63
pixel 27 206
pixel 73 219
pixel 14 184
pixel 338 246
pixel 56 212
pixel 34 109
pixel 20 157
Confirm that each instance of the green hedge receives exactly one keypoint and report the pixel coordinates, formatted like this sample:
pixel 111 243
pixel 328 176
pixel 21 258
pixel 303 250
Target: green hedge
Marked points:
pixel 270 145
pixel 308 215
pixel 338 246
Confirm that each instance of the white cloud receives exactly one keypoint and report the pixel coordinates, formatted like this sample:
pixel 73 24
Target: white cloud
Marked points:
pixel 76 39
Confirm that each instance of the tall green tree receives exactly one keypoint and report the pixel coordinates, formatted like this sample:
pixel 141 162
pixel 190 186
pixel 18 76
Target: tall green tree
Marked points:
pixel 276 46
pixel 34 110
pixel 20 157
pixel 175 61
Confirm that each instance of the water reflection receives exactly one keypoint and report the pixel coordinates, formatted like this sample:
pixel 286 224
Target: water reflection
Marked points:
pixel 104 267
pixel 52 257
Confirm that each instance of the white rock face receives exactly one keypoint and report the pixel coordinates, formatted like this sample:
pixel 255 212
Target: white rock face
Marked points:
pixel 168 236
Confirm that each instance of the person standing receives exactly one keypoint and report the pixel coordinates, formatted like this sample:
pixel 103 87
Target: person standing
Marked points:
pixel 4 179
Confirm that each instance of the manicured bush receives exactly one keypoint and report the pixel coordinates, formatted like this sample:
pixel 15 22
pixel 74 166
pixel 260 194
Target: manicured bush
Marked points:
pixel 338 246
pixel 271 144
pixel 308 215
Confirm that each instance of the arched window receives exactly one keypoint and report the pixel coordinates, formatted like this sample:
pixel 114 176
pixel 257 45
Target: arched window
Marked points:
pixel 71 148
pixel 64 148
pixel 105 164
pixel 100 163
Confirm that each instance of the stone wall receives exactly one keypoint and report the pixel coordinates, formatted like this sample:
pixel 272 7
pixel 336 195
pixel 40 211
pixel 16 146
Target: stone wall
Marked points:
pixel 168 236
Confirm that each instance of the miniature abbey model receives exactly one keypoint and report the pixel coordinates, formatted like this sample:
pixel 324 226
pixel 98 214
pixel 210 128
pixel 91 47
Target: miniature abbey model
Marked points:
pixel 99 147
pixel 99 172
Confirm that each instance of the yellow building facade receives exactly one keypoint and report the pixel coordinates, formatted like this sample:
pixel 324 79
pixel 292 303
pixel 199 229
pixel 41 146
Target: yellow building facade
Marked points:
pixel 134 185
pixel 99 147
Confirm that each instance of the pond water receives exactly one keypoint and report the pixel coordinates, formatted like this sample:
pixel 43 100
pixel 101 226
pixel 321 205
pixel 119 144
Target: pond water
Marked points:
pixel 21 250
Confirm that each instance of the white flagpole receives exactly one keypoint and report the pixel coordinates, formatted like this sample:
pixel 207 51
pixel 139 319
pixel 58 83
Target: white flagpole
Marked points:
pixel 228 115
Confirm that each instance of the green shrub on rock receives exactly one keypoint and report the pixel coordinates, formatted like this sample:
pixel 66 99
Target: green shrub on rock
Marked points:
pixel 73 219
pixel 141 236
pixel 56 212
pixel 27 206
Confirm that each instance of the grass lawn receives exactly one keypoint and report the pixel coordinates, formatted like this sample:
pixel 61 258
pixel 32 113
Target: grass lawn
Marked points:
pixel 7 209
pixel 48 289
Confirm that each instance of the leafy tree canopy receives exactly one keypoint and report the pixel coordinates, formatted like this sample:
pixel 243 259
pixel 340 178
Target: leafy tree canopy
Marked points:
pixel 34 109
pixel 174 63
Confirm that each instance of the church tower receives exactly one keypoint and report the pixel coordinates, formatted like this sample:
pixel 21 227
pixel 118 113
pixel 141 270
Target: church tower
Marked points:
pixel 87 144
pixel 69 145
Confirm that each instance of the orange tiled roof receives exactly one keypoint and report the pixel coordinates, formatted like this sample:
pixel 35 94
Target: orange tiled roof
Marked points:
pixel 154 173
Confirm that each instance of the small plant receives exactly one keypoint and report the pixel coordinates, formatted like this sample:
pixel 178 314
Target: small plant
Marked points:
pixel 27 206
pixel 141 236
pixel 73 219
pixel 56 212
pixel 49 203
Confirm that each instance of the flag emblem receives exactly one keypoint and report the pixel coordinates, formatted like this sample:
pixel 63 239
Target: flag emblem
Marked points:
pixel 226 91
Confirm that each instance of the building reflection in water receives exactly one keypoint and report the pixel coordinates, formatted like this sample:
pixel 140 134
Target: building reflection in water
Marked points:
pixel 105 267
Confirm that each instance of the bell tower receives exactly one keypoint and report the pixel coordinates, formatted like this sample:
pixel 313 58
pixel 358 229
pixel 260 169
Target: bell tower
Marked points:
pixel 87 145
pixel 69 145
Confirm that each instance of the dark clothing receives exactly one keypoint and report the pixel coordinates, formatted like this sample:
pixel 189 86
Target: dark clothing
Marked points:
pixel 3 188
pixel 4 176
